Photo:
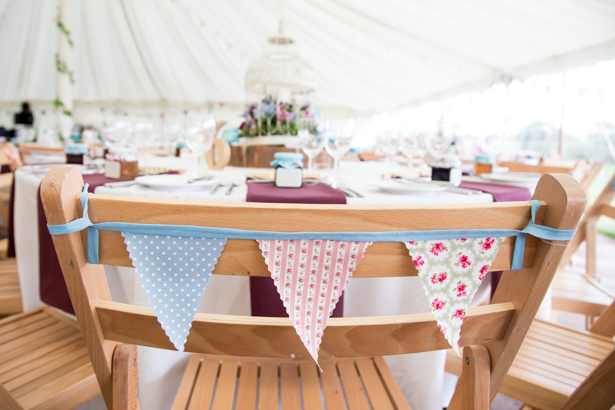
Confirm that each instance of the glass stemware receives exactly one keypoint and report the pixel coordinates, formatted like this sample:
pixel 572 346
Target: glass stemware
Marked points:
pixel 200 137
pixel 390 144
pixel 312 142
pixel 338 135
pixel 409 145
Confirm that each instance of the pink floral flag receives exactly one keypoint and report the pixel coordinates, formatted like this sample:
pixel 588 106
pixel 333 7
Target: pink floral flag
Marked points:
pixel 451 272
pixel 310 276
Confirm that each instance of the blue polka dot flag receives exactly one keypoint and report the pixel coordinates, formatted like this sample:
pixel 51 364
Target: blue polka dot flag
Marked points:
pixel 174 271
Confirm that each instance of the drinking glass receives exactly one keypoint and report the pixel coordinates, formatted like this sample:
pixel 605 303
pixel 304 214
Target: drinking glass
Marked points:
pixel 390 144
pixel 409 145
pixel 311 140
pixel 439 139
pixel 200 135
pixel 338 136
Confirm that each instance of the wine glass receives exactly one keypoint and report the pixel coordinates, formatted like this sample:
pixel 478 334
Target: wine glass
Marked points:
pixel 338 136
pixel 439 140
pixel 200 135
pixel 409 145
pixel 390 144
pixel 312 142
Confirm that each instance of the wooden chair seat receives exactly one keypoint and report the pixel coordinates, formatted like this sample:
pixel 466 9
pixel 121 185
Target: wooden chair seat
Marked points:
pixel 354 383
pixel 43 362
pixel 10 292
pixel 552 362
pixel 573 292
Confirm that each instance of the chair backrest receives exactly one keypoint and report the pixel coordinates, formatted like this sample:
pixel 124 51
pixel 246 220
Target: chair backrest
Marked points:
pixel 587 227
pixel 9 155
pixel 541 169
pixel 500 327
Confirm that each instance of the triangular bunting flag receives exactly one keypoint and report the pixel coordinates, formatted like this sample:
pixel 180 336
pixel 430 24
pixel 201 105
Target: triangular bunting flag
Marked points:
pixel 174 271
pixel 451 271
pixel 310 276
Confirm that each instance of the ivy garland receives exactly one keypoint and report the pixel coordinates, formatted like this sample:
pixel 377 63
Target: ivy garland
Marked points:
pixel 61 66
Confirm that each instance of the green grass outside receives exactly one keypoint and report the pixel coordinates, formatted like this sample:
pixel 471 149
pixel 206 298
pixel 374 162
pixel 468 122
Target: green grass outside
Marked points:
pixel 605 225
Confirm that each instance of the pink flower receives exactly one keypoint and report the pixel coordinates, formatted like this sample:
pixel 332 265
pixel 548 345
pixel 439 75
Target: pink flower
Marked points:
pixel 316 242
pixel 464 261
pixel 303 250
pixel 302 265
pixel 487 244
pixel 419 261
pixel 336 287
pixel 411 242
pixel 442 277
pixel 461 290
pixel 325 281
pixel 463 240
pixel 300 280
pixel 483 272
pixel 311 286
pixel 307 327
pixel 299 294
pixel 265 253
pixel 437 248
pixel 279 249
pixel 292 241
pixel 340 260
pixel 310 300
pixel 277 263
pixel 315 257
pixel 338 274
pixel 342 245
pixel 328 253
pixel 443 330
pixel 434 278
pixel 460 314
pixel 353 256
pixel 437 304
pixel 290 255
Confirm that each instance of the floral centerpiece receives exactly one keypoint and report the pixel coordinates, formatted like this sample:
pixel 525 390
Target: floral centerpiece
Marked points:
pixel 276 118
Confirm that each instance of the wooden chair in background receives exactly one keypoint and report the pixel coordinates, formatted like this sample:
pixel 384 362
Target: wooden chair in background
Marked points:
pixel 583 293
pixel 558 368
pixel 43 362
pixel 491 334
pixel 26 152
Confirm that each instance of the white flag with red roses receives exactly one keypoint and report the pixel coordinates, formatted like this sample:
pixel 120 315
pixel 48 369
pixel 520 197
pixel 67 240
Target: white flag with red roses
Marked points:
pixel 310 276
pixel 451 272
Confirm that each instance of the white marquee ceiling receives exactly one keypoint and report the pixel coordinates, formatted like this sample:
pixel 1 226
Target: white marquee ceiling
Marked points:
pixel 369 55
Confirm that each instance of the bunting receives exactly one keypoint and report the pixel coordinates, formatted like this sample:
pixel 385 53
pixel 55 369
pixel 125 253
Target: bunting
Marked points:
pixel 310 276
pixel 174 272
pixel 451 272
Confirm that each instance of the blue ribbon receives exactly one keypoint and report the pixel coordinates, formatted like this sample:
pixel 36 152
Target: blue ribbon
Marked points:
pixel 538 231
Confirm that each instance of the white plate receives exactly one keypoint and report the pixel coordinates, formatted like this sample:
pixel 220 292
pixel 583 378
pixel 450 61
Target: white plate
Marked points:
pixel 393 187
pixel 43 169
pixel 172 182
pixel 523 177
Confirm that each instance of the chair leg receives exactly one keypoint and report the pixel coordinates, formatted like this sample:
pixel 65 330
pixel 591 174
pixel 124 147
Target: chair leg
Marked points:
pixel 125 369
pixel 473 388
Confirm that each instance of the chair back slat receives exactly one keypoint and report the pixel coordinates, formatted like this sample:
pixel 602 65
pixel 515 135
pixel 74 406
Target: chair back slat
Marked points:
pixel 276 337
pixel 244 258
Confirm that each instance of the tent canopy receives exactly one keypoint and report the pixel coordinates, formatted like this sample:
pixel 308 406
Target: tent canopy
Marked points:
pixel 369 55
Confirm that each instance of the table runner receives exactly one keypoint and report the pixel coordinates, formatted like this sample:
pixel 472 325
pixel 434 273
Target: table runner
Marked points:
pixel 264 297
pixel 500 193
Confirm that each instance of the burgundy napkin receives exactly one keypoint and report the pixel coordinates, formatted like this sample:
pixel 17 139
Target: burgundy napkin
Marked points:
pixel 501 193
pixel 264 297
pixel 307 194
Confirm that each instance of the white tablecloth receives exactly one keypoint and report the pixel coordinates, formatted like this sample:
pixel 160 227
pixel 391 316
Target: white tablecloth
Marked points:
pixel 420 375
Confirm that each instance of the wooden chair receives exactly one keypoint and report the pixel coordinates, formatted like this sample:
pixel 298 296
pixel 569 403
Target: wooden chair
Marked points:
pixel 10 291
pixel 491 334
pixel 27 150
pixel 561 368
pixel 10 157
pixel 582 292
pixel 44 363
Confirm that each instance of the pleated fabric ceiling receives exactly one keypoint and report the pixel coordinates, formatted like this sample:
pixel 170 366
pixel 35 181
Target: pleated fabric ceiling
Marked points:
pixel 368 55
